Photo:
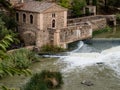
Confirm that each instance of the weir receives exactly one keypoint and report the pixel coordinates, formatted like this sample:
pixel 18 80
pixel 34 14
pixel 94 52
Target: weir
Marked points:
pixel 79 29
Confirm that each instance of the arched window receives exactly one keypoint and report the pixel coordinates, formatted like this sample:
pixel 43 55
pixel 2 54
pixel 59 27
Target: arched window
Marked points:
pixel 17 16
pixel 53 23
pixel 24 18
pixel 31 19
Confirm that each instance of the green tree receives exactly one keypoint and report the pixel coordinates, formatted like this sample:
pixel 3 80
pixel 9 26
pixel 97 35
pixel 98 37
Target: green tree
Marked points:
pixel 6 38
pixel 88 2
pixel 115 3
pixel 77 7
pixel 7 5
pixel 64 3
pixel 9 22
pixel 94 2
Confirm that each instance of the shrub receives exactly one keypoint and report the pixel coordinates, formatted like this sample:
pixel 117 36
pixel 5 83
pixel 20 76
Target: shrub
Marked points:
pixel 44 81
pixel 7 68
pixel 106 29
pixel 17 62
pixel 22 58
pixel 6 88
pixel 52 49
pixel 118 17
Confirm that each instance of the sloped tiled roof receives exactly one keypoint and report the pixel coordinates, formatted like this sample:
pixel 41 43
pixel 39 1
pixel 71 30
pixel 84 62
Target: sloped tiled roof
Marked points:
pixel 36 6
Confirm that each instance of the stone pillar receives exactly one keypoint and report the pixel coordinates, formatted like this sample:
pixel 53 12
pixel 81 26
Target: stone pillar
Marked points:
pixel 64 45
pixel 114 22
pixel 65 18
pixel 38 39
pixel 57 37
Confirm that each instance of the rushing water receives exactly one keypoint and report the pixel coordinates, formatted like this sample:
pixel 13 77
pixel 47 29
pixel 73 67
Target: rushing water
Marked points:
pixel 91 62
pixel 98 62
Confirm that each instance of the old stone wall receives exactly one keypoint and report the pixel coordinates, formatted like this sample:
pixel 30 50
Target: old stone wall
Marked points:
pixel 26 29
pixel 57 13
pixel 42 38
pixel 74 33
pixel 63 36
pixel 28 35
pixel 59 20
pixel 97 22
pixel 27 22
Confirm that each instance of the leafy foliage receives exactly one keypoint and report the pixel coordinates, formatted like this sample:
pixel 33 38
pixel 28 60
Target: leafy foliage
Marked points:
pixel 77 7
pixel 39 81
pixel 9 22
pixel 51 49
pixel 88 2
pixel 94 2
pixel 6 38
pixel 7 66
pixel 115 3
pixel 6 4
pixel 118 17
pixel 6 69
pixel 22 58
pixel 106 29
pixel 64 3
pixel 17 62
pixel 5 88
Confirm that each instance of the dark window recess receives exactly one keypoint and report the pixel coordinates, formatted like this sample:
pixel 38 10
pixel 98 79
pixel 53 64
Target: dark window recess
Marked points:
pixel 17 16
pixel 53 23
pixel 24 18
pixel 53 15
pixel 31 19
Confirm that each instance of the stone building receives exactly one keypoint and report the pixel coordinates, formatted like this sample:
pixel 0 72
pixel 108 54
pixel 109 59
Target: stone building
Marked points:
pixel 89 10
pixel 36 19
pixel 14 2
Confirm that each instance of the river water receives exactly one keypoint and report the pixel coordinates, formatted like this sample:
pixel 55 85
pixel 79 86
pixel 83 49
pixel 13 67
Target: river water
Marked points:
pixel 97 60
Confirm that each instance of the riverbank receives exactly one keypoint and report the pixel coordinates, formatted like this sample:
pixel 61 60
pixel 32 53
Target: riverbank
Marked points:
pixel 79 65
pixel 114 33
pixel 15 82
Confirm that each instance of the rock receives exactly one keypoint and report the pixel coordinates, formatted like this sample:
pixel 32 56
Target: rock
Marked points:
pixel 100 63
pixel 36 49
pixel 87 83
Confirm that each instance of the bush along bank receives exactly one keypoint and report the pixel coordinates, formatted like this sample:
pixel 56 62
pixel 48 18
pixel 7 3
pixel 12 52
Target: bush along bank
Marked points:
pixel 44 81
pixel 106 29
pixel 17 62
pixel 118 18
pixel 51 49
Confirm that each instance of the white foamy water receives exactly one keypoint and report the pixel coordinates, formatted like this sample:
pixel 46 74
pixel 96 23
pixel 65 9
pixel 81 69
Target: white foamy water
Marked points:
pixel 109 57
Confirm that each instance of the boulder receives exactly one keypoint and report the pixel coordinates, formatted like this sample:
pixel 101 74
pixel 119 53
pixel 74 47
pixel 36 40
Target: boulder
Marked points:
pixel 87 83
